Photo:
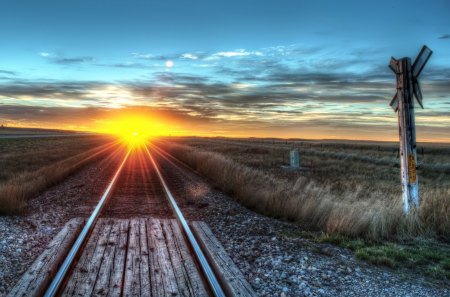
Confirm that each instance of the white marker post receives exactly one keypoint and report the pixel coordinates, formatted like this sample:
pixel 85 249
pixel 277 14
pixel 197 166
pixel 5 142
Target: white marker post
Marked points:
pixel 403 103
pixel 294 159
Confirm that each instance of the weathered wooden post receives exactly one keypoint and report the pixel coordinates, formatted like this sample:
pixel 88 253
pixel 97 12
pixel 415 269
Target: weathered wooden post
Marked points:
pixel 403 104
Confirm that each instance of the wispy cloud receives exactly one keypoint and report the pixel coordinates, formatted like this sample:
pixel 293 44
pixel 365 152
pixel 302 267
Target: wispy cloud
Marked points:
pixel 64 60
pixel 153 57
pixel 22 90
pixel 235 53
pixel 189 56
pixel 73 60
pixel 8 72
pixel 126 65
pixel 142 56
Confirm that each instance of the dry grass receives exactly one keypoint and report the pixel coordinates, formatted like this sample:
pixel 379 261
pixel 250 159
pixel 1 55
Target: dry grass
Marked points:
pixel 31 165
pixel 347 189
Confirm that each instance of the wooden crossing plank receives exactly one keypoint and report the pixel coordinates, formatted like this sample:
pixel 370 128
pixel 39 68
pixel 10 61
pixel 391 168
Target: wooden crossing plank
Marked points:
pixel 133 261
pixel 102 283
pixel 35 281
pixel 231 277
pixel 161 272
pixel 187 275
pixel 145 263
pixel 81 282
pixel 118 269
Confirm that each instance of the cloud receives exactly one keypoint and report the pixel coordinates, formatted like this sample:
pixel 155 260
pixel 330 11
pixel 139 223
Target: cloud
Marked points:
pixel 63 60
pixel 153 57
pixel 235 53
pixel 142 56
pixel 8 72
pixel 88 117
pixel 189 56
pixel 62 90
pixel 126 65
pixel 445 36
pixel 73 60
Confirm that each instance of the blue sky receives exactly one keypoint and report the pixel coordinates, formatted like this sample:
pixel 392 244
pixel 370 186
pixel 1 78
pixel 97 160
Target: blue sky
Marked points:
pixel 313 69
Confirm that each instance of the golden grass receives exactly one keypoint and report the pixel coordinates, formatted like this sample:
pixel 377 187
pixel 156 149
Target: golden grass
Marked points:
pixel 354 205
pixel 41 167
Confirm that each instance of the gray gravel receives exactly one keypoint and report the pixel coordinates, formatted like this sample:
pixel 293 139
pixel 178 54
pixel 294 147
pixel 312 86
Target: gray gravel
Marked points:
pixel 275 260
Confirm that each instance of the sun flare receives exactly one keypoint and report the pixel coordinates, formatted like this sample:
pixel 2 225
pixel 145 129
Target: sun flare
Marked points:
pixel 135 128
pixel 134 139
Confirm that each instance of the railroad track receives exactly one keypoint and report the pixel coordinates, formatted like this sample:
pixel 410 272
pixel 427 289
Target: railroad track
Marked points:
pixel 123 174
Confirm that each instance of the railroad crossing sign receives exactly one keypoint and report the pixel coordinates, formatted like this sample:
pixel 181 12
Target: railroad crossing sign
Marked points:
pixel 403 103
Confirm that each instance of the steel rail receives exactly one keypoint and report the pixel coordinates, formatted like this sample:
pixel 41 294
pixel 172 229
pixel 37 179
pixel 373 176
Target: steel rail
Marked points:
pixel 54 286
pixel 210 276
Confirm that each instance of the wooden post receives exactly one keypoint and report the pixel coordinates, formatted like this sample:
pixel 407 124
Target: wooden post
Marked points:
pixel 408 156
pixel 403 104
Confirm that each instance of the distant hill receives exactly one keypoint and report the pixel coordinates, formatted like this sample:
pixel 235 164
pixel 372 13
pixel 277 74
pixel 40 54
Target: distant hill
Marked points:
pixel 32 131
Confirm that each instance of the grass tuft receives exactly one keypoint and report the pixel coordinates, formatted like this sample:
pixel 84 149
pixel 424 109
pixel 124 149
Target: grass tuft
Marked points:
pixel 422 255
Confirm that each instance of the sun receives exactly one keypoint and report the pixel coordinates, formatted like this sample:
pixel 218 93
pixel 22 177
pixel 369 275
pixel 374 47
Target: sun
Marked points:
pixel 135 128
pixel 135 139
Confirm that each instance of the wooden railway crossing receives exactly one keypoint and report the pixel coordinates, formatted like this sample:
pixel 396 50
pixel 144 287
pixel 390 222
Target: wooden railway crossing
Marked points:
pixel 136 256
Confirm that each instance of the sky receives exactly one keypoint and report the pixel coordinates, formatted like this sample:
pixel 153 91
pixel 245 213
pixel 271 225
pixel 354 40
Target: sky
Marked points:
pixel 291 69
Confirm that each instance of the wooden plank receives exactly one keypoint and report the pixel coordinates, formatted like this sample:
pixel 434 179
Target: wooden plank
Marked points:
pixel 81 282
pixel 118 269
pixel 101 286
pixel 187 275
pixel 232 280
pixel 37 278
pixel 132 282
pixel 145 264
pixel 161 271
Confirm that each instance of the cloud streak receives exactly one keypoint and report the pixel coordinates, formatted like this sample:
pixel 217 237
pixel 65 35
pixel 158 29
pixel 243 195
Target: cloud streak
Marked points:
pixel 64 60
pixel 8 72
pixel 73 60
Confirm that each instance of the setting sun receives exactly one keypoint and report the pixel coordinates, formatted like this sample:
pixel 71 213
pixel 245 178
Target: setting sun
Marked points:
pixel 134 127
pixel 134 139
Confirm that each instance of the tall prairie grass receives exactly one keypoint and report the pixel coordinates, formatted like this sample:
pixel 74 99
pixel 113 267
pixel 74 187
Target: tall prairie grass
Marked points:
pixel 31 166
pixel 354 205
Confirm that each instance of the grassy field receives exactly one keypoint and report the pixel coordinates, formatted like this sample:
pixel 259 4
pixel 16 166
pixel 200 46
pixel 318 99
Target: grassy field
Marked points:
pixel 30 165
pixel 349 190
